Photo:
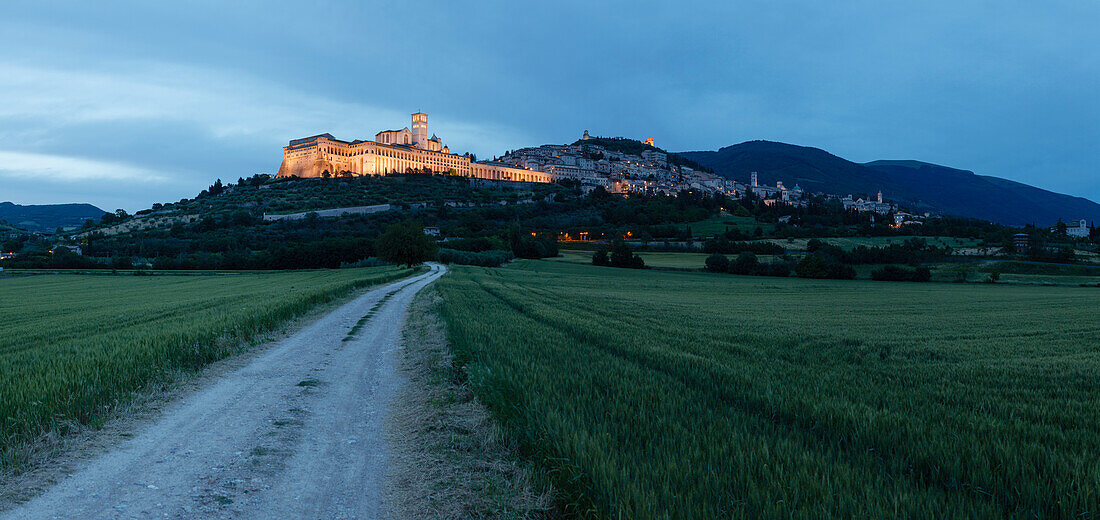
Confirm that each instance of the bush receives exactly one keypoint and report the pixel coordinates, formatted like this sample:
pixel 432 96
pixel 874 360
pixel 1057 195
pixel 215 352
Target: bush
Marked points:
pixel 812 266
pixel 405 243
pixel 746 263
pixel 366 262
pixel 600 258
pixel 623 256
pixel 841 272
pixel 815 266
pixel 893 273
pixel 476 244
pixel 723 246
pixel 526 246
pixel 491 258
pixel 779 268
pixel 718 263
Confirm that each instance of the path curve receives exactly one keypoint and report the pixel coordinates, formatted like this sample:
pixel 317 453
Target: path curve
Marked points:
pixel 296 433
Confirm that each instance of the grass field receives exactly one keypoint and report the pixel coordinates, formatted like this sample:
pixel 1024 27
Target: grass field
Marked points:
pixel 650 394
pixel 71 345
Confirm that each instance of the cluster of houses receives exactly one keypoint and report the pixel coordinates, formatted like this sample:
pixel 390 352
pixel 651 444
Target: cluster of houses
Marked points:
pixel 650 171
pixel 593 165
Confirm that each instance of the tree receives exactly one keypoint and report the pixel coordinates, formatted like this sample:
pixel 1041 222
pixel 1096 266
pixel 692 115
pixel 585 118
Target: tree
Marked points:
pixel 623 256
pixel 600 258
pixel 405 243
pixel 717 263
pixel 812 266
pixel 746 263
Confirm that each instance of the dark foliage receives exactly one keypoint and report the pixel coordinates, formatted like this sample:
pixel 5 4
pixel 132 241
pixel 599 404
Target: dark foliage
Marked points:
pixel 488 258
pixel 894 273
pixel 717 263
pixel 405 243
pixel 622 256
pixel 816 266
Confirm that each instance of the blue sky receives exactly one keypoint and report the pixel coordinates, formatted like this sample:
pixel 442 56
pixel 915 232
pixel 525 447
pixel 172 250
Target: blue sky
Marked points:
pixel 125 104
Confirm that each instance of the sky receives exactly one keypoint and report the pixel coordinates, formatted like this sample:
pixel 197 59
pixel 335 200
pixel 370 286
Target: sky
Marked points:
pixel 123 104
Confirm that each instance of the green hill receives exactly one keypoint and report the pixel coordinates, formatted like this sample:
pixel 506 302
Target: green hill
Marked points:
pixel 916 185
pixel 48 217
pixel 635 147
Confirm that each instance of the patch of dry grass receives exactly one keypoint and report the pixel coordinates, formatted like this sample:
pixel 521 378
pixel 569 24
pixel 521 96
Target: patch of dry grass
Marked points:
pixel 450 460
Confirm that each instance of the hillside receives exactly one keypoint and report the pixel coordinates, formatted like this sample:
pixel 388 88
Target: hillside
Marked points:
pixel 48 217
pixel 914 184
pixel 635 147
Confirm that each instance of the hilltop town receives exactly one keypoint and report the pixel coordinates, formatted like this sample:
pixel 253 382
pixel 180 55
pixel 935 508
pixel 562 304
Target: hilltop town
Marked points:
pixel 618 165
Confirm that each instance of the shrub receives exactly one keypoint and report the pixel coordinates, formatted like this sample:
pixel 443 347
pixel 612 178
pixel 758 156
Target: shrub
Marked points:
pixel 526 246
pixel 366 262
pixel 893 273
pixel 717 263
pixel 779 268
pixel 600 258
pixel 623 256
pixel 746 263
pixel 491 258
pixel 841 272
pixel 812 266
pixel 815 266
pixel 405 243
pixel 476 244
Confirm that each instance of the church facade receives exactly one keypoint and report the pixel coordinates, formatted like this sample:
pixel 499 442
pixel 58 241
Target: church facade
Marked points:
pixel 391 151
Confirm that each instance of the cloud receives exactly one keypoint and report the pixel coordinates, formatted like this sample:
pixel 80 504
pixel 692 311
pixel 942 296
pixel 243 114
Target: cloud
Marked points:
pixel 225 104
pixel 46 167
pixel 210 104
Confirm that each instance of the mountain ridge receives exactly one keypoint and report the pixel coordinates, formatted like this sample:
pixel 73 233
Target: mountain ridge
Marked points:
pixel 917 185
pixel 48 217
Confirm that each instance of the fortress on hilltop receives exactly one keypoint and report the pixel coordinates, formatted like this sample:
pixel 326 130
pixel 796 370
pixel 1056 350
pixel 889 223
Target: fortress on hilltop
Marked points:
pixel 391 151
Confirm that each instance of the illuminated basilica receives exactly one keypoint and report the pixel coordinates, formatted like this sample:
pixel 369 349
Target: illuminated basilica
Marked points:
pixel 391 151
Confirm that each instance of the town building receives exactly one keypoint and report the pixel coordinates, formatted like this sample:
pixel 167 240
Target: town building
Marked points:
pixel 391 151
pixel 1078 228
pixel 1021 242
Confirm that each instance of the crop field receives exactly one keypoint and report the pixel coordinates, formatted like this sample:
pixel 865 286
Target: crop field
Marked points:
pixel 71 345
pixel 665 395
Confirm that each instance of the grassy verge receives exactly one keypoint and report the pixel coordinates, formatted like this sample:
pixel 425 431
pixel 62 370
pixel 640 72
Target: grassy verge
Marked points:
pixel 450 460
pixel 74 346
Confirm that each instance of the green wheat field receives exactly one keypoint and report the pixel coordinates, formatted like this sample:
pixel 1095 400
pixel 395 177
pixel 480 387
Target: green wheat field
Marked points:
pixel 72 345
pixel 666 395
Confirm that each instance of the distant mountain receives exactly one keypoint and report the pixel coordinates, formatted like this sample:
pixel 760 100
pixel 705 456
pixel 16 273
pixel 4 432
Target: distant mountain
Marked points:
pixel 48 217
pixel 917 185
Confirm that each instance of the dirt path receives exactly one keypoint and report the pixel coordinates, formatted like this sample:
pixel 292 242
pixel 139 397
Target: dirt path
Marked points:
pixel 297 433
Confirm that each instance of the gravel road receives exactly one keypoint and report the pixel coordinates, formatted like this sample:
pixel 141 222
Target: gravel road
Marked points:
pixel 297 433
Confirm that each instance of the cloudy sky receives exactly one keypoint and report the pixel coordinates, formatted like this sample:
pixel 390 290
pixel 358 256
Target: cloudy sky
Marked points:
pixel 126 104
